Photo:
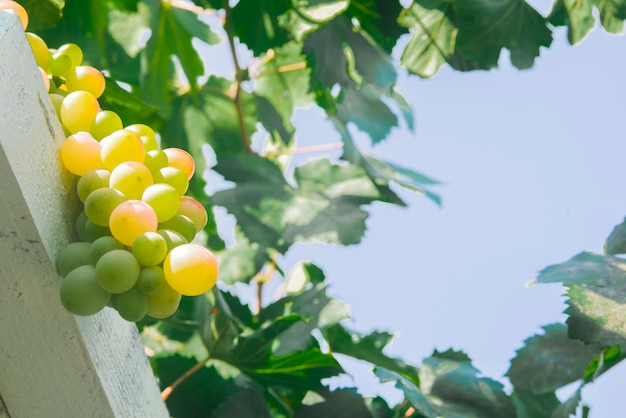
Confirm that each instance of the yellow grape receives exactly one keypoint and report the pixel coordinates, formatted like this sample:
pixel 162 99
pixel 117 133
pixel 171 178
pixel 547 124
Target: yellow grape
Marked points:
pixel 149 143
pixel 80 153
pixel 131 219
pixel 78 110
pixel 40 49
pixel 194 210
pixel 163 303
pixel 163 198
pixel 147 135
pixel 105 123
pixel 190 269
pixel 100 203
pixel 86 78
pixel 59 65
pixel 180 159
pixel 44 77
pixel 175 177
pixel 131 178
pixel 57 101
pixel 121 146
pixel 92 180
pixel 16 8
pixel 72 51
pixel 155 160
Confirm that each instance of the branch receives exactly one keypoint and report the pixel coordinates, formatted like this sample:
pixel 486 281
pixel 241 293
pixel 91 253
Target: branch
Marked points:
pixel 168 390
pixel 305 150
pixel 230 32
pixel 282 69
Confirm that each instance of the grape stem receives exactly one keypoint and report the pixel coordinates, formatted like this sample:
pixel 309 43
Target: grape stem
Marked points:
pixel 168 390
pixel 228 27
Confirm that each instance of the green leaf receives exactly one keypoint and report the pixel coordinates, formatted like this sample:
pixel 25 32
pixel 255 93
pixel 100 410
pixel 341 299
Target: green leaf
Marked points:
pixel 550 361
pixel 247 403
pixel 586 268
pixel 301 276
pixel 42 14
pixel 256 24
pixel 379 19
pixel 320 11
pixel 568 408
pixel 488 26
pixel 612 14
pixel 410 390
pixel 576 15
pixel 237 262
pixel 433 38
pixel 127 105
pixel 346 403
pixel 531 405
pixel 616 242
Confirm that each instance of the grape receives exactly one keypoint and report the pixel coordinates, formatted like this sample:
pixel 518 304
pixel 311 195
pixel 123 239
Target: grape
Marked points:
pixel 141 130
pixel 131 178
pixel 105 123
pixel 59 65
pixel 163 198
pixel 181 224
pixel 173 238
pixel 100 203
pixel 102 246
pixel 16 8
pixel 40 49
pixel 94 231
pixel 81 294
pixel 92 180
pixel 44 78
pixel 79 226
pixel 72 256
pixel 151 280
pixel 155 160
pixel 80 153
pixel 121 146
pixel 194 210
pixel 190 269
pixel 131 219
pixel 132 305
pixel 78 110
pixel 149 248
pixel 181 159
pixel 72 51
pixel 163 303
pixel 117 271
pixel 57 101
pixel 149 143
pixel 174 177
pixel 85 78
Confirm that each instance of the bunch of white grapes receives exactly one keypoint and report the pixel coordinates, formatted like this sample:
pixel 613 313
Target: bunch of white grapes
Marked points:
pixel 136 229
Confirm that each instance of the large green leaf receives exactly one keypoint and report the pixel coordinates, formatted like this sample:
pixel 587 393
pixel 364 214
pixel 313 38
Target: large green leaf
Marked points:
pixel 586 268
pixel 42 14
pixel 550 361
pixel 576 15
pixel 616 241
pixel 378 18
pixel 256 23
pixel 247 403
pixel 238 262
pixel 612 14
pixel 411 391
pixel 487 26
pixel 531 405
pixel 341 403
pixel 433 38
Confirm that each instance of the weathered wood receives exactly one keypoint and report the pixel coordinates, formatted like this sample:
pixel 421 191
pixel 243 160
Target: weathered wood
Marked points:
pixel 52 363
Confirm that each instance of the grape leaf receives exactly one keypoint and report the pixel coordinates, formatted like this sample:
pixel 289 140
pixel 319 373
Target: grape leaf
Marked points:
pixel 531 405
pixel 586 268
pixel 237 262
pixel 612 14
pixel 568 408
pixel 378 18
pixel 320 11
pixel 616 242
pixel 410 390
pixel 550 361
pixel 340 403
pixel 246 403
pixel 487 27
pixel 42 14
pixel 576 15
pixel 256 23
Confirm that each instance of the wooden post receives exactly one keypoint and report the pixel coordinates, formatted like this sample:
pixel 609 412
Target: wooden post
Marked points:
pixel 52 363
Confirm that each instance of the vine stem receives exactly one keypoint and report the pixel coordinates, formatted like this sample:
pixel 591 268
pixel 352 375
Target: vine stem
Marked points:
pixel 228 27
pixel 168 390
pixel 305 150
pixel 282 69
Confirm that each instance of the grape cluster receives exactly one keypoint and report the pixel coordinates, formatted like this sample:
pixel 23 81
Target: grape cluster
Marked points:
pixel 136 230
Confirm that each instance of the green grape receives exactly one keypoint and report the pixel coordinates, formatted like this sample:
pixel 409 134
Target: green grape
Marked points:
pixel 85 78
pixel 105 123
pixel 57 101
pixel 142 130
pixel 155 160
pixel 131 178
pixel 100 203
pixel 59 65
pixel 175 177
pixel 194 210
pixel 94 231
pixel 149 248
pixel 117 271
pixel 163 198
pixel 40 49
pixel 163 303
pixel 181 159
pixel 81 294
pixel 102 246
pixel 92 180
pixel 173 238
pixel 190 269
pixel 79 226
pixel 132 305
pixel 73 51
pixel 78 110
pixel 181 224
pixel 151 280
pixel 121 146
pixel 80 153
pixel 131 219
pixel 72 256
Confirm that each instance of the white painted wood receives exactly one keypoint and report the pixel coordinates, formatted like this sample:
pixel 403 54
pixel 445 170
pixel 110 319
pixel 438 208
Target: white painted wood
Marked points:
pixel 52 364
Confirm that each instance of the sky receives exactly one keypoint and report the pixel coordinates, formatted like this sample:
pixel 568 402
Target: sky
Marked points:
pixel 532 171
